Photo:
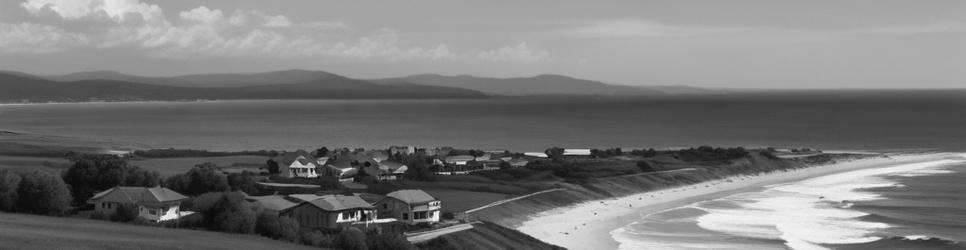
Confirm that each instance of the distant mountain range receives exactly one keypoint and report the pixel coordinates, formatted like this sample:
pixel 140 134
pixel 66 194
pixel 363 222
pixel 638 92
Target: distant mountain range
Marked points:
pixel 297 84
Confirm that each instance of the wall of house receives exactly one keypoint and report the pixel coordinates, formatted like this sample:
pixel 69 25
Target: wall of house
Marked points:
pixel 106 208
pixel 299 170
pixel 163 213
pixel 393 208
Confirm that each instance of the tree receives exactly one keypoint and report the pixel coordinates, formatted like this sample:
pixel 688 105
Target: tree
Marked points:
pixel 43 193
pixel 92 173
pixel 289 229
pixel 244 181
pixel 351 239
pixel 322 152
pixel 272 166
pixel 554 152
pixel 227 212
pixel 9 181
pixel 202 178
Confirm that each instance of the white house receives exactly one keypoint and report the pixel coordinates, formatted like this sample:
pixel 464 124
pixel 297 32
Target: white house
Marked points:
pixel 459 160
pixel 576 152
pixel 153 204
pixel 298 164
pixel 412 206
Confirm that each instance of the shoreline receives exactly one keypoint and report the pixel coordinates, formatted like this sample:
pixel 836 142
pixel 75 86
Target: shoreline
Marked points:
pixel 588 225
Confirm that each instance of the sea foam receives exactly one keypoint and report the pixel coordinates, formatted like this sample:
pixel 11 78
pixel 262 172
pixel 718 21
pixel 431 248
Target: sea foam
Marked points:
pixel 813 212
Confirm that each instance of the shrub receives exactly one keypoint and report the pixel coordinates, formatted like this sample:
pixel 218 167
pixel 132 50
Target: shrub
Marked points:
pixel 318 239
pixel 351 239
pixel 289 229
pixel 244 181
pixel 267 224
pixel 227 212
pixel 42 193
pixel 646 167
pixel 125 213
pixel 449 216
pixel 9 181
pixel 98 216
pixel 388 242
pixel 202 178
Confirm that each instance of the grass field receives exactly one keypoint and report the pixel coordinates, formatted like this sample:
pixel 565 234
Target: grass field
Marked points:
pixel 172 166
pixel 30 163
pixel 459 200
pixel 20 231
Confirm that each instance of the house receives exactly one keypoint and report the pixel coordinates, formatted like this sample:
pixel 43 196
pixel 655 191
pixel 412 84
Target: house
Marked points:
pixel 333 212
pixel 518 162
pixel 298 164
pixel 276 204
pixel 484 157
pixel 576 152
pixel 342 168
pixel 402 150
pixel 153 204
pixel 412 206
pixel 536 154
pixel 459 160
pixel 386 170
pixel 376 155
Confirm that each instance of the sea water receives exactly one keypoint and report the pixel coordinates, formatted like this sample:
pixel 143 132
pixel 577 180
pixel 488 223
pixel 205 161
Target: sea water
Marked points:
pixel 907 206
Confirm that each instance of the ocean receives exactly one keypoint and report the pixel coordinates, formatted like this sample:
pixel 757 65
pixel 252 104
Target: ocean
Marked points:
pixel 885 120
pixel 914 206
pixel 899 206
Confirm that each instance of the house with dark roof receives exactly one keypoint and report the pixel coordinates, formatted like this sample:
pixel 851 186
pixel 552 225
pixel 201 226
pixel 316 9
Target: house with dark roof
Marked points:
pixel 279 205
pixel 333 212
pixel 153 204
pixel 298 164
pixel 386 170
pixel 412 206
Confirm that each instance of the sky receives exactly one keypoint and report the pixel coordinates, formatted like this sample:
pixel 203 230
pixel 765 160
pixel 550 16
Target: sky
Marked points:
pixel 706 43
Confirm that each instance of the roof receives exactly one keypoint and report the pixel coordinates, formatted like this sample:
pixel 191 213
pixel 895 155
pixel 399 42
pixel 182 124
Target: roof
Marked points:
pixel 305 197
pixel 335 202
pixel 453 158
pixel 536 154
pixel 300 155
pixel 371 198
pixel 412 196
pixel 122 194
pixel 274 202
pixel 340 162
pixel 576 152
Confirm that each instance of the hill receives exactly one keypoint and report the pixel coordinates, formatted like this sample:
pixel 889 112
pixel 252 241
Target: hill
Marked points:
pixel 523 86
pixel 21 231
pixel 286 85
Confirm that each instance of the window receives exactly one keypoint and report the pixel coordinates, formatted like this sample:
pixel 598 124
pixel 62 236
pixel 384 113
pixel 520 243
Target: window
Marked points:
pixel 348 215
pixel 419 215
pixel 385 205
pixel 405 216
pixel 153 211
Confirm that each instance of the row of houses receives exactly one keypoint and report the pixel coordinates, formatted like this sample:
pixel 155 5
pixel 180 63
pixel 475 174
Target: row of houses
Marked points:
pixel 332 211
pixel 343 166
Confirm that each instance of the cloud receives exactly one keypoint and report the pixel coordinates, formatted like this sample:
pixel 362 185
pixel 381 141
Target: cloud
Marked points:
pixel 117 10
pixel 519 53
pixel 37 38
pixel 635 28
pixel 212 32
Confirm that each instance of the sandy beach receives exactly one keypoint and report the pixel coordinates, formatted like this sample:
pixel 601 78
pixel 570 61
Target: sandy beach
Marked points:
pixel 588 225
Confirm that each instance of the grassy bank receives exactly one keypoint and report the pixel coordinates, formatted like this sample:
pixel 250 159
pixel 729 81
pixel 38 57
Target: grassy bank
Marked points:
pixel 486 235
pixel 513 213
pixel 21 231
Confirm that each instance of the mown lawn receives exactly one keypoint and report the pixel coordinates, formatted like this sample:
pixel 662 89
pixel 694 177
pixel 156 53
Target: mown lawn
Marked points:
pixel 20 231
pixel 460 200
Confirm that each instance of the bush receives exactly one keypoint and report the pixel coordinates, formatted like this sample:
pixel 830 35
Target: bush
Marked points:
pixel 351 239
pixel 98 216
pixel 318 239
pixel 125 213
pixel 267 224
pixel 289 229
pixel 200 179
pixel 226 212
pixel 449 216
pixel 244 181
pixel 389 242
pixel 42 193
pixel 9 181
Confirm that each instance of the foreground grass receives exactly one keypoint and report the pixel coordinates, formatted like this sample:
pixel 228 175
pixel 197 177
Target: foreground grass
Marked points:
pixel 20 231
